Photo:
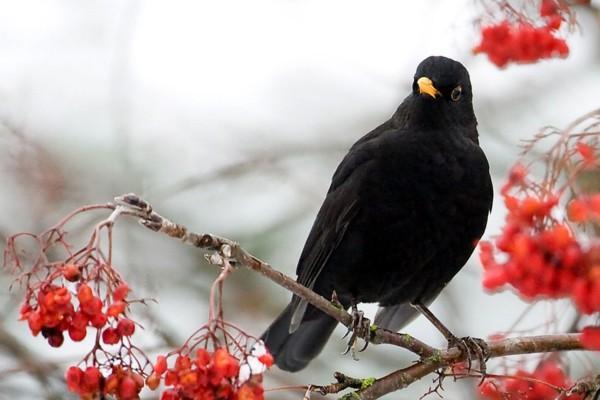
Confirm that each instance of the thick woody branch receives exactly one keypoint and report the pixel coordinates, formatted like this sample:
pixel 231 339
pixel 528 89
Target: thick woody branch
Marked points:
pixel 522 345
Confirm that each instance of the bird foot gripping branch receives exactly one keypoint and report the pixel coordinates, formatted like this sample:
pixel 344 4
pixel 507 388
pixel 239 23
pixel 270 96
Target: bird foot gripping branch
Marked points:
pixel 360 328
pixel 472 349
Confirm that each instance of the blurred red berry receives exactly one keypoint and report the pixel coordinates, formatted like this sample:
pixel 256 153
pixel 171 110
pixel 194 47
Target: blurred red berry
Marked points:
pixel 128 388
pixel 160 366
pixel 111 336
pixel 590 337
pixel 125 327
pixel 56 339
pixel 73 376
pixel 120 292
pixel 153 381
pixel 549 8
pixel 84 293
pixel 98 320
pixel 71 272
pixel 266 359
pixel 116 309
pixel 522 43
pixel 169 395
pixel 77 334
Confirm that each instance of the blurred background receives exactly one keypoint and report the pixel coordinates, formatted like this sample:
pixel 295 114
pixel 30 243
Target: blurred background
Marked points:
pixel 230 116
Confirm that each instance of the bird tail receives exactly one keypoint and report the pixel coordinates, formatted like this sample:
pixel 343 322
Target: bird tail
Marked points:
pixel 395 317
pixel 293 351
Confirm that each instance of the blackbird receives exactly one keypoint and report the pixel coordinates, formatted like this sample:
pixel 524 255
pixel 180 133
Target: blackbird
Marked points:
pixel 404 212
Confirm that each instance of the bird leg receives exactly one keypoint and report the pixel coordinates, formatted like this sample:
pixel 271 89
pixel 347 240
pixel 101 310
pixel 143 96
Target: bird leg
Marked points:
pixel 360 327
pixel 467 345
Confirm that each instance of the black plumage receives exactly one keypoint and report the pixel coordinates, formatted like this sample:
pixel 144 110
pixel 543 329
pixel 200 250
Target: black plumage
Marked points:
pixel 404 212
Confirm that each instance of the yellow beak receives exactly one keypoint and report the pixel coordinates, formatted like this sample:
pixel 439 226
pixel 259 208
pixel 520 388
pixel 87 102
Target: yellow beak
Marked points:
pixel 426 86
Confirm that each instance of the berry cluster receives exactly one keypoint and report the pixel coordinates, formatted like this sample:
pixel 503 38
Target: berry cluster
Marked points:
pixel 85 290
pixel 50 309
pixel 538 260
pixel 542 257
pixel 542 384
pixel 123 384
pixel 541 252
pixel 218 375
pixel 584 209
pixel 522 41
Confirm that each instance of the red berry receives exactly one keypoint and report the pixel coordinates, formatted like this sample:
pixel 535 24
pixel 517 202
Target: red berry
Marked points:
pixel 77 334
pixel 225 363
pixel 61 296
pixel 34 320
pixel 548 8
pixel 125 327
pixel 170 395
pixel 79 320
pixel 115 309
pixel 266 359
pixel 153 381
pixel 91 379
pixel 84 293
pixel 161 365
pixel 111 386
pixel 98 320
pixel 202 357
pixel 120 292
pixel 73 376
pixel 71 272
pixel 245 393
pixel 110 336
pixel 92 306
pixel 56 339
pixel 590 337
pixel 128 389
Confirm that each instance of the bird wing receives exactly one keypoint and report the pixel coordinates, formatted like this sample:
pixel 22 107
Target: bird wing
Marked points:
pixel 335 216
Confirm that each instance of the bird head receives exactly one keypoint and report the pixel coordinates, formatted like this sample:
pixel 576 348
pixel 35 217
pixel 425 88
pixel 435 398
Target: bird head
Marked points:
pixel 441 94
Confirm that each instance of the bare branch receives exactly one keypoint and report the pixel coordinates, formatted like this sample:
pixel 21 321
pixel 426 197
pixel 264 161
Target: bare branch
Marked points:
pixel 133 205
pixel 523 345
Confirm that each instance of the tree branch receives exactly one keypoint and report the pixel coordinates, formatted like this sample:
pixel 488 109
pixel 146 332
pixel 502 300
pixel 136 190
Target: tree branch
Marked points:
pixel 522 345
pixel 133 205
pixel 431 359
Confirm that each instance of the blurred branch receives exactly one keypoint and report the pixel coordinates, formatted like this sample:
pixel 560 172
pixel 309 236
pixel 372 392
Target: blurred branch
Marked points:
pixel 28 361
pixel 35 168
pixel 246 166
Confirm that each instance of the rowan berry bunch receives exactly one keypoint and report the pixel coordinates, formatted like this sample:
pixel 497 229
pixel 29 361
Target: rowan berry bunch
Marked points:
pixel 69 291
pixel 226 373
pixel 546 382
pixel 75 292
pixel 522 39
pixel 543 251
pixel 219 361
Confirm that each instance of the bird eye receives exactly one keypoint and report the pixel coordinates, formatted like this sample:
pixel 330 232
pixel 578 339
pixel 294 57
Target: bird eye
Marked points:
pixel 456 93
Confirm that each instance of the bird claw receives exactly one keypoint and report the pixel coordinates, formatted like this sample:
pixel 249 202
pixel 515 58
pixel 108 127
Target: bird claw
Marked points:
pixel 360 327
pixel 468 346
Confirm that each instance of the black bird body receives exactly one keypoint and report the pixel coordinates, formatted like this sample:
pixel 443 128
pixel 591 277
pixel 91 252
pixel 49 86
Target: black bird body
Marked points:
pixel 404 211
